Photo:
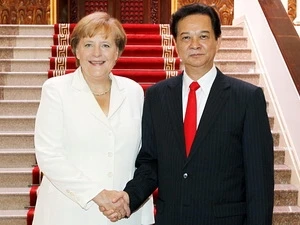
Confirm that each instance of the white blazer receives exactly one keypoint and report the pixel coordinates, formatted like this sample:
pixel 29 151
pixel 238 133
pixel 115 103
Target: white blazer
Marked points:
pixel 81 151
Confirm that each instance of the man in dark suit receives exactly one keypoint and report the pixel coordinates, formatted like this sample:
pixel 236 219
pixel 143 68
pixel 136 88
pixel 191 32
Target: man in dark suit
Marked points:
pixel 228 176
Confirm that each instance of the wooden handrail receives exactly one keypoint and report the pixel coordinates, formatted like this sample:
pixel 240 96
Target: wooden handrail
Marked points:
pixel 285 35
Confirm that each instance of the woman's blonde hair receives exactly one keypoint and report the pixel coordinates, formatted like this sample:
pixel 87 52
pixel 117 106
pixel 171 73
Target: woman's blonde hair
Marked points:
pixel 98 22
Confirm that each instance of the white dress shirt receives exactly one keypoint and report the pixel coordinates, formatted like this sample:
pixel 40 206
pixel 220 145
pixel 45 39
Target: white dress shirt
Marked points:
pixel 202 93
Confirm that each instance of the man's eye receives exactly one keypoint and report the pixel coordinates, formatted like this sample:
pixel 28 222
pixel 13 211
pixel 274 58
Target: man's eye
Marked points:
pixel 185 38
pixel 204 36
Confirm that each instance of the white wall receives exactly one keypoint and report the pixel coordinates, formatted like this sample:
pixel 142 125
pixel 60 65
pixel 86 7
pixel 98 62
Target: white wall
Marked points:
pixel 276 74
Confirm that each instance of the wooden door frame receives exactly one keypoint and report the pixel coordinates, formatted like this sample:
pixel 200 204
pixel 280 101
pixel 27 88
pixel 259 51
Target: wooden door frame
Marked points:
pixel 155 11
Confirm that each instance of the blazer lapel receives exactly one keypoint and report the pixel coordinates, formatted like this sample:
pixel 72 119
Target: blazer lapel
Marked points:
pixel 84 95
pixel 218 95
pixel 174 101
pixel 117 95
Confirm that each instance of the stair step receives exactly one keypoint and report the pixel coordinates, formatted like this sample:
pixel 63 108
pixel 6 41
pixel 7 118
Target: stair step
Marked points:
pixel 20 92
pixel 279 155
pixel 27 29
pixel 23 78
pixel 234 54
pixel 18 107
pixel 282 174
pixel 13 217
pixel 234 42
pixel 17 123
pixel 19 65
pixel 23 29
pixel 250 77
pixel 14 198
pixel 245 66
pixel 16 140
pixel 276 138
pixel 286 215
pixel 14 158
pixel 25 40
pixel 25 52
pixel 285 194
pixel 232 30
pixel 15 177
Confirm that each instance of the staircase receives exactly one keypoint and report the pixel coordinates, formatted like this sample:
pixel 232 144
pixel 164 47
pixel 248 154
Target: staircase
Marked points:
pixel 25 56
pixel 24 61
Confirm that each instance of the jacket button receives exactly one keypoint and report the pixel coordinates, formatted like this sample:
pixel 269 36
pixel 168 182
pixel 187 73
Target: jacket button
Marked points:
pixel 185 175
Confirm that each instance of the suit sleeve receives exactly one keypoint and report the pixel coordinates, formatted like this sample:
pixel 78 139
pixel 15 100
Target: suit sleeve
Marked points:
pixel 144 181
pixel 258 161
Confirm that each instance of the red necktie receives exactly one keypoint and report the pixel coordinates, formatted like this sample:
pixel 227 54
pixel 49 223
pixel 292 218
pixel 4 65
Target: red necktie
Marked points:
pixel 190 121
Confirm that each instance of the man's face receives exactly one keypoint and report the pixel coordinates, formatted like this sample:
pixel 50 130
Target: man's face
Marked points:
pixel 196 44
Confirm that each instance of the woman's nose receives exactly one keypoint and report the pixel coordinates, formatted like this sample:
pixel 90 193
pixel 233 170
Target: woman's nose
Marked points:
pixel 97 51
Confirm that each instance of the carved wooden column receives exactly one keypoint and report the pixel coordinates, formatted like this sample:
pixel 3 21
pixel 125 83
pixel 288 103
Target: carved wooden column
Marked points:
pixel 297 16
pixel 224 7
pixel 25 12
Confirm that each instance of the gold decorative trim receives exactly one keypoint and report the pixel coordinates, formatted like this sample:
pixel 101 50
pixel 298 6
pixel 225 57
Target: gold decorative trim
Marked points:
pixel 53 15
pixel 168 51
pixel 64 28
pixel 57 73
pixel 169 63
pixel 62 51
pixel 173 6
pixel 166 40
pixel 171 73
pixel 63 39
pixel 164 29
pixel 60 63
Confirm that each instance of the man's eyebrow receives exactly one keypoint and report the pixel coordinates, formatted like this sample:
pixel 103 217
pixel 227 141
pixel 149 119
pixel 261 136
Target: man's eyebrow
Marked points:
pixel 200 32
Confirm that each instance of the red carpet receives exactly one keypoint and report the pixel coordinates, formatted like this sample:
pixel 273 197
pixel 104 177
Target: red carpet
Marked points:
pixel 30 215
pixel 129 51
pixel 149 57
pixel 161 29
pixel 134 63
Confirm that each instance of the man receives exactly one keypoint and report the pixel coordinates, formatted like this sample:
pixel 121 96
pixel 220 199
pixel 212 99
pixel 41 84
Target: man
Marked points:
pixel 227 178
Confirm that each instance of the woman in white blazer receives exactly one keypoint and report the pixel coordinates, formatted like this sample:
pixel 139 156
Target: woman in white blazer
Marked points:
pixel 88 131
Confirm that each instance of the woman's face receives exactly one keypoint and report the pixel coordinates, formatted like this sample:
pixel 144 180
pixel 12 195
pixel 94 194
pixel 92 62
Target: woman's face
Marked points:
pixel 97 55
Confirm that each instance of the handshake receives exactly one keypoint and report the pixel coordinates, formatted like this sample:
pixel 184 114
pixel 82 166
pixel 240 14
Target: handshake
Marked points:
pixel 113 204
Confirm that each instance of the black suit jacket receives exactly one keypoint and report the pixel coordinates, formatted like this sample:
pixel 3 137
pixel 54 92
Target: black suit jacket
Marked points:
pixel 228 178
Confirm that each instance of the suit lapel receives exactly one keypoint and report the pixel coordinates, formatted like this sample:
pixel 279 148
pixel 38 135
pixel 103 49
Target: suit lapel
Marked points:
pixel 174 101
pixel 217 98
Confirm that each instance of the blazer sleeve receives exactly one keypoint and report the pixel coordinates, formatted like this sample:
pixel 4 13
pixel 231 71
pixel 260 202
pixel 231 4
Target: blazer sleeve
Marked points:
pixel 144 181
pixel 49 148
pixel 259 161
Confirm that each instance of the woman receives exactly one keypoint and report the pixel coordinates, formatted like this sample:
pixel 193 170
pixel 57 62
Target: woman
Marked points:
pixel 88 131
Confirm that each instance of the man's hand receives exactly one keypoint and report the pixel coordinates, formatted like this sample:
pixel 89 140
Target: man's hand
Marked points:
pixel 113 204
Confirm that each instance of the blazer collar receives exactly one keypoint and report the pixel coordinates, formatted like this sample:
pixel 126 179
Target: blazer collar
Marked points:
pixel 117 95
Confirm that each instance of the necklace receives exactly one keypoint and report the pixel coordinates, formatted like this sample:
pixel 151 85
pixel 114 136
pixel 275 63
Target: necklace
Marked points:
pixel 102 93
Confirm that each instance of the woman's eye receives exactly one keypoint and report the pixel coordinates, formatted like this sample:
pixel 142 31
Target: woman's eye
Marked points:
pixel 87 45
pixel 105 45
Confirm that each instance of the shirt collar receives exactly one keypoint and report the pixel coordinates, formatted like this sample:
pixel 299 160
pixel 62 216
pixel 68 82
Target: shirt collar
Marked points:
pixel 205 81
